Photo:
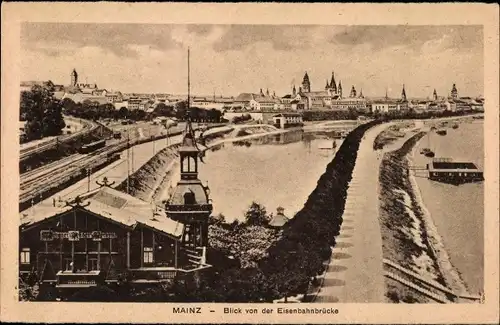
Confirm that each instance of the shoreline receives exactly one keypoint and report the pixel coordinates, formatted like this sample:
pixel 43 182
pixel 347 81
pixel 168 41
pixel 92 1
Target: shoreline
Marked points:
pixel 450 273
pixel 403 198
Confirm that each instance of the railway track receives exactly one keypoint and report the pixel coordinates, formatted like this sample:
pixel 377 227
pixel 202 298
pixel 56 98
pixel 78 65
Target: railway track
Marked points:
pixel 88 127
pixel 55 175
pixel 47 179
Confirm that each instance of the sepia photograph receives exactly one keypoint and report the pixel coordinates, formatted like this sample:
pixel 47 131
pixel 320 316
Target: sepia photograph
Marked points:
pixel 299 166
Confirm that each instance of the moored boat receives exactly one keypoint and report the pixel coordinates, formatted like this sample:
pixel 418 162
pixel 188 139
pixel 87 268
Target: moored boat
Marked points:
pixel 441 132
pixel 430 154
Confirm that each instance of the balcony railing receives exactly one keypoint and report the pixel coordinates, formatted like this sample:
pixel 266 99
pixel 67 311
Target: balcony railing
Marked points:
pixel 78 279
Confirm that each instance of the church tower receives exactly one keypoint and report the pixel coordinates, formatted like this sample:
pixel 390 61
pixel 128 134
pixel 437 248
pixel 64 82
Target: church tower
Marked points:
pixel 403 94
pixel 327 85
pixel 339 89
pixel 435 95
pixel 333 84
pixel 353 92
pixel 306 84
pixel 294 91
pixel 454 92
pixel 74 78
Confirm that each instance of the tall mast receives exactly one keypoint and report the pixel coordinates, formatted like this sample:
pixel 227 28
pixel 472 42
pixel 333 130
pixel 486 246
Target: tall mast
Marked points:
pixel 189 86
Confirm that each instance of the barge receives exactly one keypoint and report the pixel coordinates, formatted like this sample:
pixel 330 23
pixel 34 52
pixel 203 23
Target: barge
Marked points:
pixel 446 170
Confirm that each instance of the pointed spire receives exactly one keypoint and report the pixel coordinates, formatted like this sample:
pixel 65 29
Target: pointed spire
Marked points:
pixel 267 92
pixel 294 91
pixel 403 93
pixel 327 85
pixel 361 93
pixel 261 93
pixel 332 83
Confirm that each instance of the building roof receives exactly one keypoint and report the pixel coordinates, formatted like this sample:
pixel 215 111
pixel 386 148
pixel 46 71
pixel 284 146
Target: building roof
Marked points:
pixel 245 97
pixel 278 220
pixel 186 186
pixel 118 207
pixel 287 115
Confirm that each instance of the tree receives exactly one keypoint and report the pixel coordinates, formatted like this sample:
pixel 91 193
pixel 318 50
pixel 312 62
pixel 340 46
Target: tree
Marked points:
pixel 42 112
pixel 123 112
pixel 256 215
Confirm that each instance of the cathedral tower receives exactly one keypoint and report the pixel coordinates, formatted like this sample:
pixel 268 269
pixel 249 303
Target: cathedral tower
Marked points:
pixel 403 94
pixel 294 91
pixel 306 84
pixel 74 78
pixel 339 89
pixel 353 92
pixel 435 95
pixel 454 92
pixel 333 84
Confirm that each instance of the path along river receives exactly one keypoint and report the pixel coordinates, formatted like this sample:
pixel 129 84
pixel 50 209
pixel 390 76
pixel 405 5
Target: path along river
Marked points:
pixel 458 211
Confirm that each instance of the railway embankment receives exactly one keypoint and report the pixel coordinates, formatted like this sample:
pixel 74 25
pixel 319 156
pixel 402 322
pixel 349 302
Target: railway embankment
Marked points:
pixel 149 180
pixel 409 238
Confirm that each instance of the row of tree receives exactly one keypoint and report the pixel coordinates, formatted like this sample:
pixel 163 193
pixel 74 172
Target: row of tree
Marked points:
pixel 94 110
pixel 42 113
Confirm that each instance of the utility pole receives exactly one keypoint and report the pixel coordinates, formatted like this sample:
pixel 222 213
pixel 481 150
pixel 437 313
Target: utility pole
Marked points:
pixel 88 179
pixel 128 163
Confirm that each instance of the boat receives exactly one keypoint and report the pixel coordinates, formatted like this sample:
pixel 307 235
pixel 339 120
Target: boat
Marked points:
pixel 424 151
pixel 327 145
pixel 441 132
pixel 427 151
pixel 430 154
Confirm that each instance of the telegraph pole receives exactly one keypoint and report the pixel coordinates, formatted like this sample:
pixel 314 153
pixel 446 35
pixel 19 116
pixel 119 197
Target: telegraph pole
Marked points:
pixel 88 179
pixel 128 163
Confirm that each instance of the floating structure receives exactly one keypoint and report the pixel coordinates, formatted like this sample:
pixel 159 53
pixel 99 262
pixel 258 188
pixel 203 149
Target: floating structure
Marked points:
pixel 328 145
pixel 446 170
pixel 441 132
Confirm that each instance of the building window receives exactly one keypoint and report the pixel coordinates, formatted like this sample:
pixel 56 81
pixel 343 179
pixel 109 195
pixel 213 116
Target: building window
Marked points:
pixel 25 256
pixel 148 255
pixel 93 264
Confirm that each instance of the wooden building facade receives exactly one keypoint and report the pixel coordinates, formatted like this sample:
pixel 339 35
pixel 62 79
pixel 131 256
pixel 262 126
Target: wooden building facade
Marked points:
pixel 105 237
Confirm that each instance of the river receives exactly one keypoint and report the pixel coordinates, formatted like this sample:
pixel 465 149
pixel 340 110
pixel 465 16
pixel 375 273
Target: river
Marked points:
pixel 278 170
pixel 458 211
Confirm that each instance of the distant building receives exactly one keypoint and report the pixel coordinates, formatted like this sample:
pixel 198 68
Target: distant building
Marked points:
pixel 286 120
pixel 134 103
pixel 279 220
pixel 114 97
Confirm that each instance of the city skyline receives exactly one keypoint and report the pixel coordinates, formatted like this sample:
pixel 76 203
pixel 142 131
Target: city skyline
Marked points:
pixel 230 59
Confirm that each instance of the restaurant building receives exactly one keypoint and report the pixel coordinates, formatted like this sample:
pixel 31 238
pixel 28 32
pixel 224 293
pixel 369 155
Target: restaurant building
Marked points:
pixel 107 237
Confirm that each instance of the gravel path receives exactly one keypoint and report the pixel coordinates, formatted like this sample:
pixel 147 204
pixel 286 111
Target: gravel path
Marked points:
pixel 355 273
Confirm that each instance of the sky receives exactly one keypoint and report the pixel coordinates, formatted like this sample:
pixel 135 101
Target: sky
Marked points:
pixel 231 59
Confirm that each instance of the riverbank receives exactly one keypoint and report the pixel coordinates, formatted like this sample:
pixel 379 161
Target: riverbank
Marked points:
pixel 410 238
pixel 451 277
